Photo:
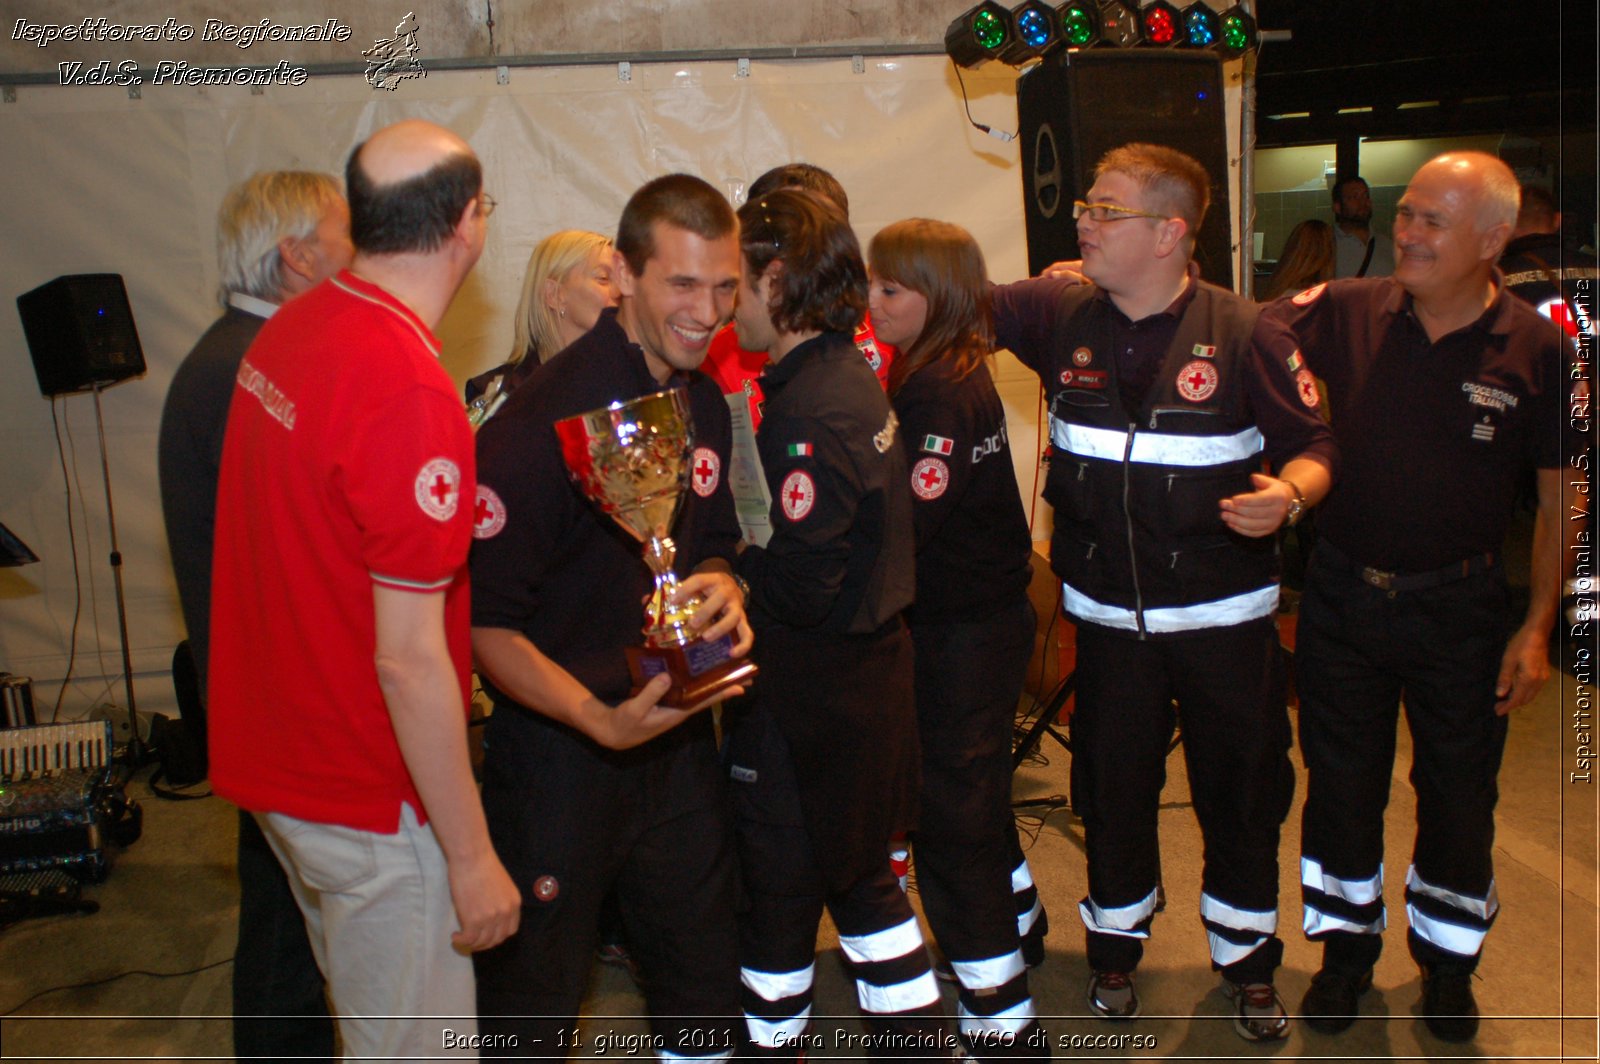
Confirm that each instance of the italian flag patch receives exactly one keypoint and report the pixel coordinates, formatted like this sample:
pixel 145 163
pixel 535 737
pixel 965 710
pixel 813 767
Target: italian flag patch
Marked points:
pixel 938 444
pixel 799 450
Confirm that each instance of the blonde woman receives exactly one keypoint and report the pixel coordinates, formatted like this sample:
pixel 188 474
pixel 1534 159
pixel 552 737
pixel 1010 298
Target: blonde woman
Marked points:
pixel 568 283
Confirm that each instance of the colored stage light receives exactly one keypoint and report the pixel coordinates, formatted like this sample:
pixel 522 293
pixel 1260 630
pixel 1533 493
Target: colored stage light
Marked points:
pixel 1238 32
pixel 1036 33
pixel 1079 21
pixel 1160 22
pixel 1201 26
pixel 979 34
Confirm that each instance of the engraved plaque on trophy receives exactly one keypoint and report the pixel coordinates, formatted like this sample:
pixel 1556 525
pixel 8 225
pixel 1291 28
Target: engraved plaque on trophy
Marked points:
pixel 632 460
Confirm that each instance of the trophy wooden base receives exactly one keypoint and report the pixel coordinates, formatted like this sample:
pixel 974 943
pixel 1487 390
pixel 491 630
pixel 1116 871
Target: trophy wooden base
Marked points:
pixel 699 670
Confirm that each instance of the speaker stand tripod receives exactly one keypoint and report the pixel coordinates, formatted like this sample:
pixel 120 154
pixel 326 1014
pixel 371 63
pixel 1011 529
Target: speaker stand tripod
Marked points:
pixel 137 751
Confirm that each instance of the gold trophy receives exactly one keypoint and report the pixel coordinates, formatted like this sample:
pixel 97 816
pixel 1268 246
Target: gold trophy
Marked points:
pixel 632 460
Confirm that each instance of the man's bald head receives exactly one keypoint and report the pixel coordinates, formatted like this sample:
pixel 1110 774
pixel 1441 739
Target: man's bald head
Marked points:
pixel 1451 226
pixel 408 185
pixel 1485 178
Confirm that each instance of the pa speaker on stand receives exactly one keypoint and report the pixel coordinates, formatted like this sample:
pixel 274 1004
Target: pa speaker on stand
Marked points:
pixel 82 338
pixel 1075 106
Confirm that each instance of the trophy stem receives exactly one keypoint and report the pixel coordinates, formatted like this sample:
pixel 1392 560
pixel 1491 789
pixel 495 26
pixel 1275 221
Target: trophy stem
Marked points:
pixel 666 623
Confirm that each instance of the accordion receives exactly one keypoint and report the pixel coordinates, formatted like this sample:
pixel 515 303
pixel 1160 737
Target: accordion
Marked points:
pixel 55 782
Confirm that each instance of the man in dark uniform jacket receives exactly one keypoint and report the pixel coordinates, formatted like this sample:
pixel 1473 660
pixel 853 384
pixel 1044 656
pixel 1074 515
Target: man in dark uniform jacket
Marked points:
pixel 1444 391
pixel 585 787
pixel 1559 283
pixel 1164 400
pixel 278 234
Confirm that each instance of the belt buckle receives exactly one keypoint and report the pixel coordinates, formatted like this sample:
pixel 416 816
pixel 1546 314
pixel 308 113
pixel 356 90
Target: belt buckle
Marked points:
pixel 1378 578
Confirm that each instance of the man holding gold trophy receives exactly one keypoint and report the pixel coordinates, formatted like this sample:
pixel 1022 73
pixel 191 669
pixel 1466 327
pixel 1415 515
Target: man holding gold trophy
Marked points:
pixel 599 481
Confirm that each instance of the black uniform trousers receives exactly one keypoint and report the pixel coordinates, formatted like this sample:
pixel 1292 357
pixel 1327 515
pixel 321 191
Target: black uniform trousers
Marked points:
pixel 275 974
pixel 1229 687
pixel 570 822
pixel 969 675
pixel 785 866
pixel 1360 651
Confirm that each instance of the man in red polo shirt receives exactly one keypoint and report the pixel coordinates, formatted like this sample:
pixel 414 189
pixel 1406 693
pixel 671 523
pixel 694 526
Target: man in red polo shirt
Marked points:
pixel 340 651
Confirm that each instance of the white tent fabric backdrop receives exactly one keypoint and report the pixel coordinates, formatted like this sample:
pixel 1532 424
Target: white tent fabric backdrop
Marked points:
pixel 96 181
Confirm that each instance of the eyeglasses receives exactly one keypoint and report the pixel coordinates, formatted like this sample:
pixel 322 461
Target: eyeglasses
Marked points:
pixel 486 204
pixel 1106 212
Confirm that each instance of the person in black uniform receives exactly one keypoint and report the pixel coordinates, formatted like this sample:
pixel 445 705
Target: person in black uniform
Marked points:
pixel 586 788
pixel 1163 404
pixel 278 234
pixel 1444 391
pixel 1559 283
pixel 972 624
pixel 825 761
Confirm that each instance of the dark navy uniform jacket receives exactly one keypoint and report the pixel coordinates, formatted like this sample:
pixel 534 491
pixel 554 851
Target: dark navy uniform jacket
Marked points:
pixel 1139 540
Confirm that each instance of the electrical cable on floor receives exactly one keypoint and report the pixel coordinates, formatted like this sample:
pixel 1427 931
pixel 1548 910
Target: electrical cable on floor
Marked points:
pixel 113 978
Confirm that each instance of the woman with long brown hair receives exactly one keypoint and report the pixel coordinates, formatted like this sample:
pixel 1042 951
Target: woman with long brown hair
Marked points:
pixel 1307 260
pixel 971 623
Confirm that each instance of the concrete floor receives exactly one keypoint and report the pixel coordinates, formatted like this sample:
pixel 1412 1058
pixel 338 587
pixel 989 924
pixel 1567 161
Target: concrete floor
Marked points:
pixel 148 976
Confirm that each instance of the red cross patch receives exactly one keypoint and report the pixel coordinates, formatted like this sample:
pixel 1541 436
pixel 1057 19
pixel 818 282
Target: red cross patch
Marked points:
pixel 1558 311
pixel 869 350
pixel 488 514
pixel 929 478
pixel 705 471
pixel 1307 384
pixel 797 495
pixel 438 487
pixel 1197 381
pixel 1310 295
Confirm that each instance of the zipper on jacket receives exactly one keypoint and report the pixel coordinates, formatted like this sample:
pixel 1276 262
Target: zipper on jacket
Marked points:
pixel 1127 521
pixel 1156 412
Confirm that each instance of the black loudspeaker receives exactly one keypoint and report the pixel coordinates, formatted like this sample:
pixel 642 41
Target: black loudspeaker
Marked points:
pixel 1076 106
pixel 80 332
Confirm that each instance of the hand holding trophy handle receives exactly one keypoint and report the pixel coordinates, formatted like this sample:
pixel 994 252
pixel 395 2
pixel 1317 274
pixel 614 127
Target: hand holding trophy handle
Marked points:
pixel 632 460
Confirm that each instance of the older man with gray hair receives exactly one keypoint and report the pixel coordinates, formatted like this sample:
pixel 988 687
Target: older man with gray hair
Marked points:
pixel 1444 389
pixel 278 234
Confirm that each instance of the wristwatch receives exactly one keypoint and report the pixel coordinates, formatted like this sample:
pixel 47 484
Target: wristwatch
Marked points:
pixel 1297 508
pixel 744 585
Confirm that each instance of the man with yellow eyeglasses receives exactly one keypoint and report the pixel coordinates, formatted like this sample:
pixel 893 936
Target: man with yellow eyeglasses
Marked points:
pixel 1167 405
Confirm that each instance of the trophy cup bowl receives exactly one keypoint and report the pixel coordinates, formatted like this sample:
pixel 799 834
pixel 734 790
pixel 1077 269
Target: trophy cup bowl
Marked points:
pixel 631 459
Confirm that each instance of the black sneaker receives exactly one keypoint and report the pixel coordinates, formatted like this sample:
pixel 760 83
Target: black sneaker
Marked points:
pixel 1330 1005
pixel 1112 997
pixel 1033 943
pixel 1259 1015
pixel 1448 1007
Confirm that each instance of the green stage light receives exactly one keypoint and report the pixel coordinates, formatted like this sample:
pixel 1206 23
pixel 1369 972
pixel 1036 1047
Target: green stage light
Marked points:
pixel 1238 32
pixel 979 34
pixel 1079 21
